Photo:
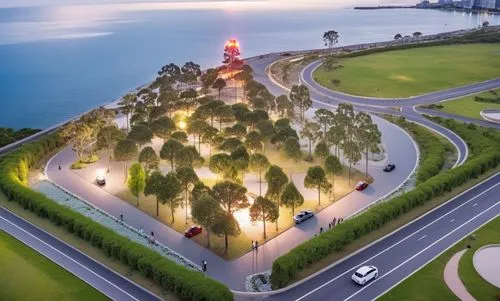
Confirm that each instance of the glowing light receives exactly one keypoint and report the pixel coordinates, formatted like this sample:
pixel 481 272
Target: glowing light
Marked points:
pixel 101 172
pixel 182 125
pixel 232 44
pixel 243 217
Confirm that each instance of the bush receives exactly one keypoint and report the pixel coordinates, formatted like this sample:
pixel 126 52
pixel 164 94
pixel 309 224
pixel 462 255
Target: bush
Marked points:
pixel 187 284
pixel 484 155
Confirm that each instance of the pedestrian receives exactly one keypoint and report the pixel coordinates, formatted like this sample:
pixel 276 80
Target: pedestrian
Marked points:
pixel 204 265
pixel 334 220
pixel 59 166
pixel 253 245
pixel 257 246
pixel 329 225
pixel 320 230
pixel 121 217
pixel 152 234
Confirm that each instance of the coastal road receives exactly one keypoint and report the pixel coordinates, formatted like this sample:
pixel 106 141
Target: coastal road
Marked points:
pixel 95 274
pixel 403 252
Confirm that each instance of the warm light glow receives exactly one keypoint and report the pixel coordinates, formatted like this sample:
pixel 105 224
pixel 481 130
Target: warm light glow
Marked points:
pixel 232 44
pixel 182 125
pixel 243 217
pixel 101 172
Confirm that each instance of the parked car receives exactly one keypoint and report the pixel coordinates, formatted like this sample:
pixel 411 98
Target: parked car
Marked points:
pixel 361 185
pixel 193 230
pixel 389 167
pixel 302 216
pixel 100 180
pixel 365 274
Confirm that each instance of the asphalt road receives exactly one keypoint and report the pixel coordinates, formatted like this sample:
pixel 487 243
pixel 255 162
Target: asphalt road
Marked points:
pixel 95 274
pixel 402 253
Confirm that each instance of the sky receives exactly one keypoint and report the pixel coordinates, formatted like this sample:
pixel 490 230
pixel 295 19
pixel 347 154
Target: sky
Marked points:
pixel 21 3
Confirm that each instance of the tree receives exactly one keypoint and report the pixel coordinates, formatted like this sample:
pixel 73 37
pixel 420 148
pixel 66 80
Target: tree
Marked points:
pixel 226 225
pixel 291 197
pixel 205 211
pixel 291 149
pixel 367 135
pixel 239 111
pixel 154 183
pixel 171 71
pixel 169 151
pixel 333 168
pixel 417 34
pixel 352 153
pixel 264 210
pixel 136 180
pixel 276 180
pixel 325 118
pixel 322 150
pixel 240 160
pixel 125 150
pixel 170 191
pixel 188 99
pixel 211 136
pixel 148 158
pixel 230 144
pixel 163 127
pixel 208 78
pixel 224 114
pixel 180 136
pixel 197 127
pixel 245 76
pixel 299 95
pixel 221 164
pixel 80 135
pixel 141 134
pixel 107 138
pixel 231 196
pixel 127 106
pixel 264 100
pixel 238 131
pixel 219 84
pixel 190 73
pixel 311 131
pixel 156 112
pixel 208 110
pixel 254 141
pixel 398 36
pixel 330 38
pixel 258 163
pixel 284 106
pixel 188 156
pixel 316 179
pixel 187 177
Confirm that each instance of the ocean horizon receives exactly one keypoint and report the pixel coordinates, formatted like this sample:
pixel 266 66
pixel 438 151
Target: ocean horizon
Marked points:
pixel 60 61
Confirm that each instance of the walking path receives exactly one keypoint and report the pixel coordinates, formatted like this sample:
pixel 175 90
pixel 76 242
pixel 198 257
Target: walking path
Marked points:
pixel 453 280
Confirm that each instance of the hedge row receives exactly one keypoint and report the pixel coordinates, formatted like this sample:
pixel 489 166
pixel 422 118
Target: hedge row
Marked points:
pixel 286 267
pixel 172 277
pixel 482 36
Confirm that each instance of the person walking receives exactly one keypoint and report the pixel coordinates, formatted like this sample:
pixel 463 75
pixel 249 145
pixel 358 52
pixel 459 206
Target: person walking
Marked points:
pixel 320 230
pixel 204 265
pixel 334 220
pixel 59 166
pixel 257 246
pixel 253 245
pixel 121 217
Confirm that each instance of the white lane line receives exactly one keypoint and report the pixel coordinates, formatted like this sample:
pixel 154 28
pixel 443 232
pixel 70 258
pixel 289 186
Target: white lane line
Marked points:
pixel 394 245
pixel 422 237
pixel 66 256
pixel 475 204
pixel 425 249
pixel 452 220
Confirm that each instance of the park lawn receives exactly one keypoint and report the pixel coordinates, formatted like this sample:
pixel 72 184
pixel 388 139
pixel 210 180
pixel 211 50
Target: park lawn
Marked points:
pixel 468 107
pixel 428 283
pixel 411 72
pixel 27 275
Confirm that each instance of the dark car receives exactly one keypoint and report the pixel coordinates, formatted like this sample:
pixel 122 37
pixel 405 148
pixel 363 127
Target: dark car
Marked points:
pixel 361 185
pixel 389 167
pixel 192 231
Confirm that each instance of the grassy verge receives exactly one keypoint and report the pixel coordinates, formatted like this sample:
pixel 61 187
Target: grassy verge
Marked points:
pixel 27 275
pixel 390 227
pixel 404 73
pixel 428 283
pixel 468 106
pixel 86 248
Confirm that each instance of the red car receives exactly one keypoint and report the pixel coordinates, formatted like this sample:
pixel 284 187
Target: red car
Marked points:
pixel 361 185
pixel 192 231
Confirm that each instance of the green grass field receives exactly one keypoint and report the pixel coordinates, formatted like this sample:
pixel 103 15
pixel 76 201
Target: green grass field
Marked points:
pixel 411 72
pixel 428 283
pixel 467 107
pixel 26 275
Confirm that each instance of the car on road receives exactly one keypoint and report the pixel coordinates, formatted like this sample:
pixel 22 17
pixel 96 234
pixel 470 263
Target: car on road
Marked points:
pixel 100 180
pixel 361 185
pixel 365 274
pixel 302 216
pixel 389 167
pixel 193 230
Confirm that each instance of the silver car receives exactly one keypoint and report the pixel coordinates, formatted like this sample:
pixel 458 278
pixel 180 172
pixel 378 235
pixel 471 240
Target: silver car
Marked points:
pixel 302 216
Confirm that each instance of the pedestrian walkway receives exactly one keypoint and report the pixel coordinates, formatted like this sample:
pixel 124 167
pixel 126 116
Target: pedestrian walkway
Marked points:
pixel 453 280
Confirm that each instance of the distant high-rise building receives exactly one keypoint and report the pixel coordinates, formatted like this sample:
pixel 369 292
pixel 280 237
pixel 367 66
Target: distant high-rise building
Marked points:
pixel 497 5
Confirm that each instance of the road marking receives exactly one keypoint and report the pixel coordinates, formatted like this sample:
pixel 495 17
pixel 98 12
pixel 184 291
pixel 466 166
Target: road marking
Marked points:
pixel 394 245
pixel 425 249
pixel 475 204
pixel 63 254
pixel 452 220
pixel 422 237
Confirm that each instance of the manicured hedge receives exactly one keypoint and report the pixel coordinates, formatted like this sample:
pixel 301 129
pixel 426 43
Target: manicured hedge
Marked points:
pixel 484 155
pixel 185 283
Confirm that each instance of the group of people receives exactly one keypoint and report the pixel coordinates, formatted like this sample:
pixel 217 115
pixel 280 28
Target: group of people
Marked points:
pixel 334 222
pixel 255 245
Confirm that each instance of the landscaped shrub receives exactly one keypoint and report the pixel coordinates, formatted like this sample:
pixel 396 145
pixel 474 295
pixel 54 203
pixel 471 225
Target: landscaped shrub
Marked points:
pixel 484 154
pixel 185 283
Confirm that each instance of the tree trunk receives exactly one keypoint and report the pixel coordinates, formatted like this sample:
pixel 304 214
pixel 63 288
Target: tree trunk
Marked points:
pixel 319 195
pixel 137 200
pixel 172 164
pixel 293 209
pixel 208 239
pixel 264 222
pixel 366 172
pixel 172 214
pixel 226 242
pixel 333 187
pixel 350 173
pixel 157 207
pixel 125 171
pixel 186 201
pixel 260 182
pixel 310 149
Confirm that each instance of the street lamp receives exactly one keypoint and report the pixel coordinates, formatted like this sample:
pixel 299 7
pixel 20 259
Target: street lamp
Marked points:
pixel 231 54
pixel 182 125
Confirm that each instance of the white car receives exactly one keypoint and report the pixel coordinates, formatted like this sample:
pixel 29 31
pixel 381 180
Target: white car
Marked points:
pixel 302 216
pixel 365 274
pixel 100 180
